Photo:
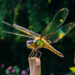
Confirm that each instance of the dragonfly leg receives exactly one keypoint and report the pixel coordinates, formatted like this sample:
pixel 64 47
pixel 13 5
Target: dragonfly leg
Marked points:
pixel 35 53
pixel 40 53
pixel 32 53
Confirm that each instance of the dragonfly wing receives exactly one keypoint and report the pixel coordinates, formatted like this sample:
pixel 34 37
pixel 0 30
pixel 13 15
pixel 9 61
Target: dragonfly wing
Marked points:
pixel 17 34
pixel 29 32
pixel 56 22
pixel 48 46
pixel 22 29
pixel 60 33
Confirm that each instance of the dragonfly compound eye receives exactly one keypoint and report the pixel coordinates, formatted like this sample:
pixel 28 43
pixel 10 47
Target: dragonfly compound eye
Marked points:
pixel 29 41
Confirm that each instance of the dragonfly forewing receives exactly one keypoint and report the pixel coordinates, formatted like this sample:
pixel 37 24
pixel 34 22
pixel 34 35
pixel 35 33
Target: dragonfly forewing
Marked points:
pixel 22 29
pixel 29 32
pixel 56 22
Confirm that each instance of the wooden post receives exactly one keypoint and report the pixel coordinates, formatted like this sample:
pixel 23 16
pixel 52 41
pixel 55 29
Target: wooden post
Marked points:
pixel 35 66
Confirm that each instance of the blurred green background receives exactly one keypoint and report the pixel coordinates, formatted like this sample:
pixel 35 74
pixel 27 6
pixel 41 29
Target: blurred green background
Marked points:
pixel 35 15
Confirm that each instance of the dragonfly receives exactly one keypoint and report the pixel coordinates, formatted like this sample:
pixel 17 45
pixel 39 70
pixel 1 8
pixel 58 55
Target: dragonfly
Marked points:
pixel 52 33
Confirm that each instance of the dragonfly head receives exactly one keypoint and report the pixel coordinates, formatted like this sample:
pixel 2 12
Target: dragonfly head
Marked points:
pixel 29 43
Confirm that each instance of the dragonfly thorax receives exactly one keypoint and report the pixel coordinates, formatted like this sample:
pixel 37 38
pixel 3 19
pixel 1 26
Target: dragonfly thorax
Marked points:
pixel 35 44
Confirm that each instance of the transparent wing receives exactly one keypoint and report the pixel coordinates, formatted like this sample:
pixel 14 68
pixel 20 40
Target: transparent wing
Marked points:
pixel 48 46
pixel 22 29
pixel 56 22
pixel 17 34
pixel 60 33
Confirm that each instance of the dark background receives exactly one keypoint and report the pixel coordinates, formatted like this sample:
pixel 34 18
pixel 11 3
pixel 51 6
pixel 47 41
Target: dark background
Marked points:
pixel 35 15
